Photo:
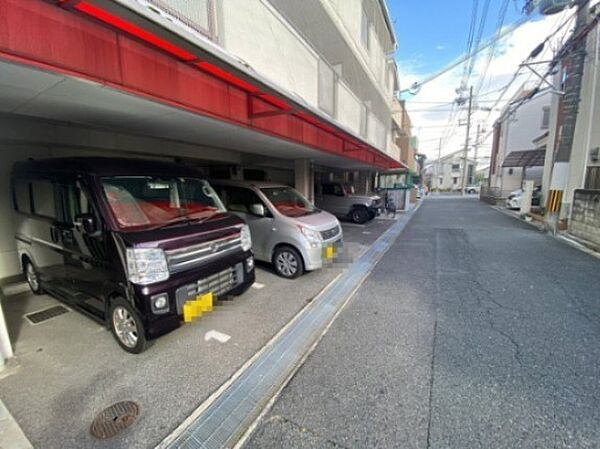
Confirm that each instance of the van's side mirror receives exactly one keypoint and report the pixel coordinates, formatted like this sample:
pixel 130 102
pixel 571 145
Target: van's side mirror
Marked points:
pixel 258 210
pixel 87 222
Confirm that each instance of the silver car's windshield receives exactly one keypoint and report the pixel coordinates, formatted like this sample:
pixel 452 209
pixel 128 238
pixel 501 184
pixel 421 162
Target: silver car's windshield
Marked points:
pixel 288 201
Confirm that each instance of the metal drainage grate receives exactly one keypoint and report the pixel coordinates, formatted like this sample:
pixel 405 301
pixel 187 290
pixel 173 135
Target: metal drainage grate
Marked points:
pixel 114 419
pixel 46 314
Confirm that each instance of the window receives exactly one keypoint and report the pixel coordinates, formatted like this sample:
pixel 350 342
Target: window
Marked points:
pixel 21 196
pixel 364 28
pixel 510 171
pixel 333 189
pixel 288 201
pixel 239 199
pixel 592 178
pixel 455 167
pixel 75 202
pixel 546 117
pixel 43 198
pixel 454 180
pixel 156 202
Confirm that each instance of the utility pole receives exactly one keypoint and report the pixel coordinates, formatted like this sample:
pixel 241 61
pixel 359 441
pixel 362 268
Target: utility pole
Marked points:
pixel 466 150
pixel 439 166
pixel 572 98
pixel 476 148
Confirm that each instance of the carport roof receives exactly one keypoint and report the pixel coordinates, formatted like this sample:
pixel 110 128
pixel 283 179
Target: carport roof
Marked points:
pixel 526 158
pixel 120 51
pixel 107 166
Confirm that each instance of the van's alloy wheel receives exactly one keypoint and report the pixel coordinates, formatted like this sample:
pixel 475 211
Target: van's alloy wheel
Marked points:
pixel 127 327
pixel 32 278
pixel 288 262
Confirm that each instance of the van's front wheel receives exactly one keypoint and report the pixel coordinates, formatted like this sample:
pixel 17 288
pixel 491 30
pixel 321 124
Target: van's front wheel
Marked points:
pixel 126 326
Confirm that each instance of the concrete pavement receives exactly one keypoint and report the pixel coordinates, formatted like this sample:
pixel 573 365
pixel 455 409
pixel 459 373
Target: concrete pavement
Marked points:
pixel 474 331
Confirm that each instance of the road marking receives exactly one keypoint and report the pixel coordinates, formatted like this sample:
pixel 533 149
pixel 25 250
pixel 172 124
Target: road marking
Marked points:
pixel 216 335
pixel 258 285
pixel 366 232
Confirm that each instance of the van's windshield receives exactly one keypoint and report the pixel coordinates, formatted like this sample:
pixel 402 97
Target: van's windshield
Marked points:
pixel 289 202
pixel 150 202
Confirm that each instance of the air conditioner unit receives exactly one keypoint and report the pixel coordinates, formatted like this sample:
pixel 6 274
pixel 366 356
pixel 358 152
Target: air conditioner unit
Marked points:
pixel 549 7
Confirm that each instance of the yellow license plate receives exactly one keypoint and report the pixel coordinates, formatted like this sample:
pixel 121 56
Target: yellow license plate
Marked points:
pixel 195 308
pixel 329 252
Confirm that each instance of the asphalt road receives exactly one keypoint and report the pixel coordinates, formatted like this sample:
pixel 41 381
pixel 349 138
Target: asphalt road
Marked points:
pixel 474 331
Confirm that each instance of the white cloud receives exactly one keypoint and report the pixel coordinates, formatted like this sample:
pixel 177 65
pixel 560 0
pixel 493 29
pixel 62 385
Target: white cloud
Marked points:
pixel 429 118
pixel 440 47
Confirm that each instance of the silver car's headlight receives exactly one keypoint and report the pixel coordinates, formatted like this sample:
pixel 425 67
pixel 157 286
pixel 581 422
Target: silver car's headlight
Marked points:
pixel 313 237
pixel 146 265
pixel 245 238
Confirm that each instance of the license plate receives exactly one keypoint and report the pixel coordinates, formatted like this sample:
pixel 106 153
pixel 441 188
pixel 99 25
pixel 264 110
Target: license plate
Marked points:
pixel 195 308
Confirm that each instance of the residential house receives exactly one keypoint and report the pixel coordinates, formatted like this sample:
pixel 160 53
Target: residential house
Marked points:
pixel 519 141
pixel 446 173
pixel 578 180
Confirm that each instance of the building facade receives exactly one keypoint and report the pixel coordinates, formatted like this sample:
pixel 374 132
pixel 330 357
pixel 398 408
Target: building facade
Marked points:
pixel 446 173
pixel 578 179
pixel 519 143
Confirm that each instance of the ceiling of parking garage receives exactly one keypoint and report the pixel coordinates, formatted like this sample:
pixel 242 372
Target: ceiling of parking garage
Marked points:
pixel 32 92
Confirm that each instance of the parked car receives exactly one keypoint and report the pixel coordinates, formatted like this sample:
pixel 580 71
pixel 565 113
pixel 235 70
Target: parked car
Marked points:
pixel 131 243
pixel 287 230
pixel 341 201
pixel 473 189
pixel 513 201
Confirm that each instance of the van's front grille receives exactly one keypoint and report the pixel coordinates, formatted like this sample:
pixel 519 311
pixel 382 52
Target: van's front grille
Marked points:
pixel 190 257
pixel 218 284
pixel 330 233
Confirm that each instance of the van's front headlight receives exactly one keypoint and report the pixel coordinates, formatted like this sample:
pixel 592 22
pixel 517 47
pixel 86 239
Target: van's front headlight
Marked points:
pixel 245 238
pixel 147 265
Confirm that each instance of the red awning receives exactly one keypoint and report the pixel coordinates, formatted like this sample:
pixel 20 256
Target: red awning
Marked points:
pixel 81 39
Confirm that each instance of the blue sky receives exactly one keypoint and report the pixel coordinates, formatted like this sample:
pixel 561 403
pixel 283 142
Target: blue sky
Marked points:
pixel 432 33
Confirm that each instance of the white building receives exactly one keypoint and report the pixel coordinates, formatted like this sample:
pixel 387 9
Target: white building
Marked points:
pixel 446 174
pixel 519 141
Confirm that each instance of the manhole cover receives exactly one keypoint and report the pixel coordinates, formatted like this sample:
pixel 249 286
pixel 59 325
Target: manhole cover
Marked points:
pixel 114 419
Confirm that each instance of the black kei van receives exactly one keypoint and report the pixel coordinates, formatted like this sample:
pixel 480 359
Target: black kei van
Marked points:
pixel 129 242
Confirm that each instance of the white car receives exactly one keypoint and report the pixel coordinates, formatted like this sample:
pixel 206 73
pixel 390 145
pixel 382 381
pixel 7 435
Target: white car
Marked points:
pixel 514 198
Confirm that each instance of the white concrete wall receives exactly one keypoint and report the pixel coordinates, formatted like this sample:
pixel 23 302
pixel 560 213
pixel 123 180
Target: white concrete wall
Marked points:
pixel 349 18
pixel 255 32
pixel 348 108
pixel 525 124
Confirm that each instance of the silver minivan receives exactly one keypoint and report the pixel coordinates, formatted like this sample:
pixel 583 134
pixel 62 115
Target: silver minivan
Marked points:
pixel 286 229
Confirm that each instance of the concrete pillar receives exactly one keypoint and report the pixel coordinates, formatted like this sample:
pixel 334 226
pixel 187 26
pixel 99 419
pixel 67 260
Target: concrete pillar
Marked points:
pixel 6 351
pixel 304 178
